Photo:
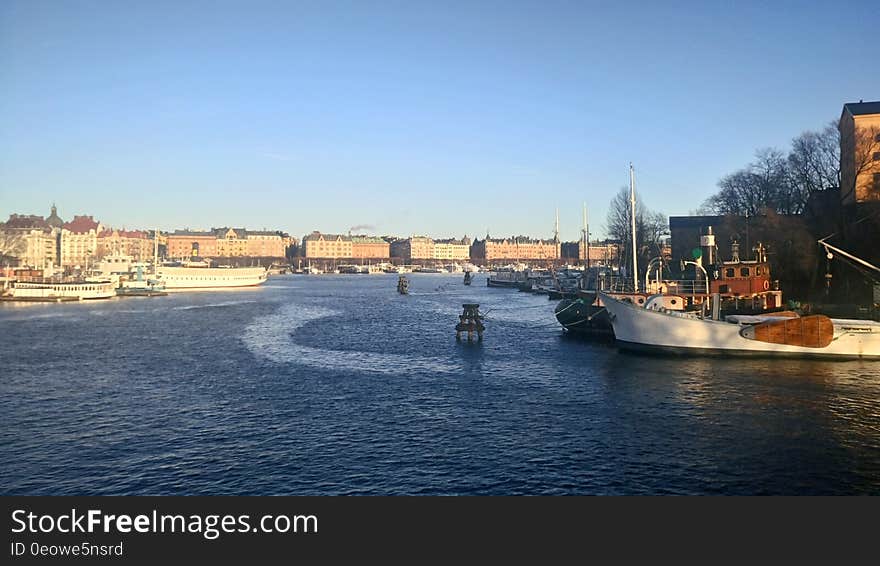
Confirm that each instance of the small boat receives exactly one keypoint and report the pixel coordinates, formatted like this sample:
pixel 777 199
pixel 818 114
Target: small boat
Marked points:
pixel 655 328
pixel 510 277
pixel 402 285
pixel 467 277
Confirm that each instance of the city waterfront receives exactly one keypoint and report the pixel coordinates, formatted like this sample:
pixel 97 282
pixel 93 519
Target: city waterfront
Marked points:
pixel 314 385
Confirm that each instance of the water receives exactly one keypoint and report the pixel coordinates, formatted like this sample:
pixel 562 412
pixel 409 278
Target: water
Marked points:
pixel 338 385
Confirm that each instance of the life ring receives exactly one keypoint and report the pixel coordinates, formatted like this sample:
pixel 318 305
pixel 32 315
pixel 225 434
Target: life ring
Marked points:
pixel 766 285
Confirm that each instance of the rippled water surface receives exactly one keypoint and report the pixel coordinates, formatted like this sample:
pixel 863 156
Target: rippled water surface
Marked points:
pixel 338 385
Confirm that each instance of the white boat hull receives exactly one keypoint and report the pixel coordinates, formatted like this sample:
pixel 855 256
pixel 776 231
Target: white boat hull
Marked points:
pixel 206 278
pixel 641 329
pixel 82 290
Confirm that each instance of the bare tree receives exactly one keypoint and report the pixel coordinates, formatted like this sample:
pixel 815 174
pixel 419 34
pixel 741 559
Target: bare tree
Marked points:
pixel 651 227
pixel 814 160
pixel 12 246
pixel 763 185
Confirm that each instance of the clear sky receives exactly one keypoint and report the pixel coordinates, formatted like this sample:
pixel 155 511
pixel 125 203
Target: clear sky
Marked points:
pixel 437 117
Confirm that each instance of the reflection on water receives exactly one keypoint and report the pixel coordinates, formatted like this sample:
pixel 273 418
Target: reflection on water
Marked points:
pixel 337 384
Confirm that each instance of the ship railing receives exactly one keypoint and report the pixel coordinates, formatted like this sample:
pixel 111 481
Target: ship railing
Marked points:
pixel 685 287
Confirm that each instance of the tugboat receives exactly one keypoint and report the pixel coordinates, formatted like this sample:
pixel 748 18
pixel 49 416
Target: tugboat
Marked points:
pixel 744 287
pixel 403 285
pixel 470 321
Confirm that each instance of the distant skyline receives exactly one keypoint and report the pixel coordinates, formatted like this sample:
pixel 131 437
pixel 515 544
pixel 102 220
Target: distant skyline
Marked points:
pixel 438 118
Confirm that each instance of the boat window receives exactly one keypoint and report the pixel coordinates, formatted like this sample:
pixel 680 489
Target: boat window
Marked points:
pixel 758 270
pixel 729 272
pixel 641 300
pixel 744 271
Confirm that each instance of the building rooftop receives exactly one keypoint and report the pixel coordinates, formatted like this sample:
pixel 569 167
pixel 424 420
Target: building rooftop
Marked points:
pixel 124 234
pixel 694 221
pixel 81 224
pixel 368 240
pixel 199 233
pixel 25 222
pixel 861 108
pixel 315 236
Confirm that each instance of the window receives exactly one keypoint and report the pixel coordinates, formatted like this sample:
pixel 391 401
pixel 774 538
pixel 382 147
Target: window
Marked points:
pixel 877 156
pixel 744 272
pixel 729 272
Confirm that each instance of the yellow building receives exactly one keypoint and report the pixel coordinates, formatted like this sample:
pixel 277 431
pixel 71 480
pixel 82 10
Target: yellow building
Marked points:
pixel 134 243
pixel 265 243
pixel 860 152
pixel 326 246
pixel 414 247
pixel 30 240
pixel 79 241
pixel 452 249
pixel 231 242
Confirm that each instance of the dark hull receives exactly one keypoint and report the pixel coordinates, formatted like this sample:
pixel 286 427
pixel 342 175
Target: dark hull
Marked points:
pixel 580 317
pixel 505 284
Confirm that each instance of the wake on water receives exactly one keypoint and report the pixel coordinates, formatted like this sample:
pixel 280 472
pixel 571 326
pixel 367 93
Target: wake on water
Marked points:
pixel 272 338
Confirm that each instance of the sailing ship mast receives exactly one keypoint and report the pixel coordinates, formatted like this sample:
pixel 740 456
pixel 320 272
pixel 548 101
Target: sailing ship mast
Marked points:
pixel 632 204
pixel 586 232
pixel 156 253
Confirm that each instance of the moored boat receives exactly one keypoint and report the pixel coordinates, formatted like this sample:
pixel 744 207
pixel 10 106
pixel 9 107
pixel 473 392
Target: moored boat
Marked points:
pixel 198 275
pixel 655 328
pixel 58 291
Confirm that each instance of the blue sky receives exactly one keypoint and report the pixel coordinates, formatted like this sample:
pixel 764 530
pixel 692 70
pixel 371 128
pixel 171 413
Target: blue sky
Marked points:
pixel 443 118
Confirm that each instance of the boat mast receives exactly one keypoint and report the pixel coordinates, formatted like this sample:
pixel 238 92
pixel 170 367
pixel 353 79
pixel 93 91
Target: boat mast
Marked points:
pixel 586 238
pixel 156 252
pixel 632 205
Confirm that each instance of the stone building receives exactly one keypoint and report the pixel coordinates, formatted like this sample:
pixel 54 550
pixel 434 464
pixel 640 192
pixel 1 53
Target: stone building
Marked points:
pixel 453 250
pixel 326 246
pixel 370 247
pixel 79 241
pixel 516 248
pixel 601 252
pixel 413 248
pixel 267 243
pixel 859 127
pixel 29 241
pixel 184 244
pixel 134 243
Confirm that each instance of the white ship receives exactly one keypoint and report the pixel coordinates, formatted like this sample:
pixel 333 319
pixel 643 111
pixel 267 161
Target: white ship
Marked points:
pixel 653 327
pixel 62 291
pixel 199 275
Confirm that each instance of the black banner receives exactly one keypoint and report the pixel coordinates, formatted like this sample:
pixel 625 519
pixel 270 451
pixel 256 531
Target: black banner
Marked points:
pixel 548 529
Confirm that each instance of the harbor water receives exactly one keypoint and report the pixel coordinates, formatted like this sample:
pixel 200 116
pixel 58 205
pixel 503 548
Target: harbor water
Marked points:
pixel 338 384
